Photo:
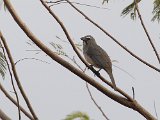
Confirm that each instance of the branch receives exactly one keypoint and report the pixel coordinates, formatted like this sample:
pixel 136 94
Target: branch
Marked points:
pixel 100 109
pixel 16 77
pixel 114 39
pixel 12 82
pixel 15 103
pixel 3 116
pixel 64 1
pixel 149 38
pixel 130 104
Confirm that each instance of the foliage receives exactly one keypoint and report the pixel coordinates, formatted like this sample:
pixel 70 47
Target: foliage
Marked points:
pixel 130 9
pixel 59 49
pixel 105 1
pixel 2 4
pixel 78 114
pixel 156 11
pixel 2 65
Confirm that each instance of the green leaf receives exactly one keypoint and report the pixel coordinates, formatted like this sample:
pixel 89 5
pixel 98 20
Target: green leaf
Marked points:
pixel 105 1
pixel 130 9
pixel 156 11
pixel 78 114
pixel 2 4
pixel 59 49
pixel 2 65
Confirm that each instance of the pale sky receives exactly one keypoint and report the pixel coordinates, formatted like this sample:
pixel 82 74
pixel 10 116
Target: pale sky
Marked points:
pixel 53 90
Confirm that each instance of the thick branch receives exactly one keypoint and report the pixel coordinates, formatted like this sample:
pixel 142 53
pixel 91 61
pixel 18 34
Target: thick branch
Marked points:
pixel 3 116
pixel 134 105
pixel 114 39
pixel 16 77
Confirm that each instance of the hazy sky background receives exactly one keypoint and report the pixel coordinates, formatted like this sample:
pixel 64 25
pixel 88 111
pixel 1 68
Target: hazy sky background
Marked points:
pixel 54 91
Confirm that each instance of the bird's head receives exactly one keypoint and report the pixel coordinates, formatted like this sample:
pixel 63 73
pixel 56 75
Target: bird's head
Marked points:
pixel 88 40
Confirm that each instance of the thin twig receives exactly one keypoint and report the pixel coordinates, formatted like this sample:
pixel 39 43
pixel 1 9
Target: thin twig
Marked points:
pixel 15 102
pixel 12 81
pixel 63 1
pixel 125 72
pixel 31 59
pixel 133 92
pixel 17 78
pixel 90 94
pixel 114 39
pixel 144 27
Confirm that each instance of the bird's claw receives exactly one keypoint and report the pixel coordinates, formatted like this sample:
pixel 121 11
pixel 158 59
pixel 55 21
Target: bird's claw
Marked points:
pixel 96 73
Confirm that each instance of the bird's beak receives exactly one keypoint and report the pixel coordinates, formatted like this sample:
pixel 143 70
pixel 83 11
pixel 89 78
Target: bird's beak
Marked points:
pixel 82 38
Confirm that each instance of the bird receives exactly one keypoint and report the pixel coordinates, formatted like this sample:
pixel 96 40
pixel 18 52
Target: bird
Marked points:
pixel 97 57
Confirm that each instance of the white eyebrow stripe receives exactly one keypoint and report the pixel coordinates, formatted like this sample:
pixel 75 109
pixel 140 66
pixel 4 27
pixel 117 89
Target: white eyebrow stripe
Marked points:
pixel 88 37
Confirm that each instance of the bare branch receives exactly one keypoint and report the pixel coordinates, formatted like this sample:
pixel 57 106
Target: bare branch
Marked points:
pixel 144 27
pixel 63 1
pixel 17 78
pixel 3 116
pixel 114 39
pixel 12 82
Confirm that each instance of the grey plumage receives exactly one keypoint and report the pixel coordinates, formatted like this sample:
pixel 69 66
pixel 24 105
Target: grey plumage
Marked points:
pixel 97 57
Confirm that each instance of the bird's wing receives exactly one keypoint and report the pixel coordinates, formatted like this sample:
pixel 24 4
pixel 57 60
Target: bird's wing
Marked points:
pixel 99 57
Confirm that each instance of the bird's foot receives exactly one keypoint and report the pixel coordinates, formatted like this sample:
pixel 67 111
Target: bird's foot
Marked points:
pixel 97 73
pixel 115 88
pixel 90 67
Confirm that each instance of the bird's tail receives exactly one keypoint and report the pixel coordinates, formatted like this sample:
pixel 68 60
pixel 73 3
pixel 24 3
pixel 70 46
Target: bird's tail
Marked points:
pixel 112 80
